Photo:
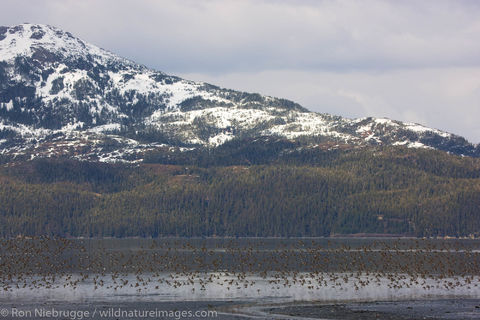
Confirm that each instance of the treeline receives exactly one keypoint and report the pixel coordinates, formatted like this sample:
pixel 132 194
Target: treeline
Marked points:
pixel 318 193
pixel 280 151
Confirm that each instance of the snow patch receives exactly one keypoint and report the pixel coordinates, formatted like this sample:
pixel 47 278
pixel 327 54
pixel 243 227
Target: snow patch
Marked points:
pixel 105 127
pixel 418 128
pixel 72 126
pixel 412 144
pixel 385 121
pixel 8 105
pixel 220 139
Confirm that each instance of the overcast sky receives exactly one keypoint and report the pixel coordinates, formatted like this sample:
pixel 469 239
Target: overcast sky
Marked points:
pixel 415 61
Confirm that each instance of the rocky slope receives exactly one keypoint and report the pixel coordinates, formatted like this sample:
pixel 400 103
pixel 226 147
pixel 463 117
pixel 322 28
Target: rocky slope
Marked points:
pixel 63 97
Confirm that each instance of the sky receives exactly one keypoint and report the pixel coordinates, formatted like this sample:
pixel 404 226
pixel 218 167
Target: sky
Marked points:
pixel 415 61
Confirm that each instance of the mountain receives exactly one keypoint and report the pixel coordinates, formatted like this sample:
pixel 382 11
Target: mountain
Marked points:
pixel 213 161
pixel 63 97
pixel 394 190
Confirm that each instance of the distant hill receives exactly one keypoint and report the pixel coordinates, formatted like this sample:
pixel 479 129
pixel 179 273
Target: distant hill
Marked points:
pixel 63 97
pixel 92 144
pixel 412 192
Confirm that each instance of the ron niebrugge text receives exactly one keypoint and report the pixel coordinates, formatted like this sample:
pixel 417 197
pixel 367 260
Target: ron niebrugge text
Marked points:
pixel 106 313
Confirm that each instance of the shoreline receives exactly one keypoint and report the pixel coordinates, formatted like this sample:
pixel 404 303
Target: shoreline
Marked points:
pixel 337 236
pixel 402 309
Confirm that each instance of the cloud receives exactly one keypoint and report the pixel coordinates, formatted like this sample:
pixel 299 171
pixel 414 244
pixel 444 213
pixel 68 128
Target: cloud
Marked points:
pixel 443 98
pixel 408 60
pixel 226 35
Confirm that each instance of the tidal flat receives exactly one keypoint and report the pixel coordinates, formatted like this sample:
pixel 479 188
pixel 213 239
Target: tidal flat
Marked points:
pixel 263 278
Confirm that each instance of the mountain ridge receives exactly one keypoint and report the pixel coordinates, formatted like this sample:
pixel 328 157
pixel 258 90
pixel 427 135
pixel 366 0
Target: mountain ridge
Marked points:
pixel 63 97
pixel 187 158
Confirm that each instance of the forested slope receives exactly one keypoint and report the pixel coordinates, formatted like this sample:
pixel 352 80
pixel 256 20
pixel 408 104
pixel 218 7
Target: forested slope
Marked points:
pixel 308 193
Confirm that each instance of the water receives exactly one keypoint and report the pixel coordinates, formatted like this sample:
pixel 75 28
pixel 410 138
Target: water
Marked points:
pixel 237 271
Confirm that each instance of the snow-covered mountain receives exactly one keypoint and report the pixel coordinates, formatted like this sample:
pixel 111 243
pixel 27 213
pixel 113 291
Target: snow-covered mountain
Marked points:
pixel 61 96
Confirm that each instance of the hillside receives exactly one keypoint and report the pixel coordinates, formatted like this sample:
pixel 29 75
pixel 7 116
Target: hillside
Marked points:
pixel 63 97
pixel 383 191
pixel 95 145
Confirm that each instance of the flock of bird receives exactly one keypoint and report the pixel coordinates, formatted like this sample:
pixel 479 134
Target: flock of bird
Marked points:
pixel 44 262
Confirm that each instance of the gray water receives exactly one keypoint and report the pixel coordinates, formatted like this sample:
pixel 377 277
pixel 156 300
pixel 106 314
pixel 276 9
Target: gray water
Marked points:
pixel 249 272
